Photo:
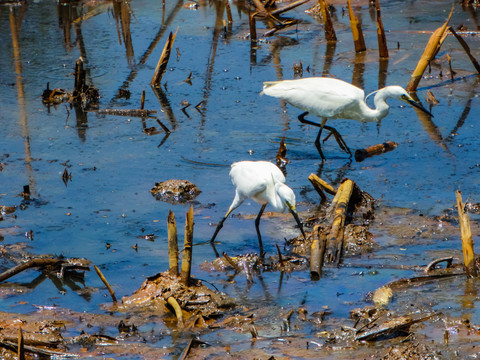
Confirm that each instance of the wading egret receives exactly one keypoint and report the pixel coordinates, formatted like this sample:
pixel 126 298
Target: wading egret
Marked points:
pixel 331 98
pixel 263 182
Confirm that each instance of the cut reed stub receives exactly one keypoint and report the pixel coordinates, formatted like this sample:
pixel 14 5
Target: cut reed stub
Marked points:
pixel 362 154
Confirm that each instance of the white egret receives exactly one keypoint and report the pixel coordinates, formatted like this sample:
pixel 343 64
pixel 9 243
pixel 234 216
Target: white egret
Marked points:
pixel 263 182
pixel 331 98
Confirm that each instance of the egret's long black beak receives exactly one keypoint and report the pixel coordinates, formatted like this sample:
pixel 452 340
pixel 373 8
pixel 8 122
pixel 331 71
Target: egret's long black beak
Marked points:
pixel 297 219
pixel 419 107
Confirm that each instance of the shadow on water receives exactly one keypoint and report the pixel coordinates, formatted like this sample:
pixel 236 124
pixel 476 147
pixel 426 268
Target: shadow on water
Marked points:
pixel 102 208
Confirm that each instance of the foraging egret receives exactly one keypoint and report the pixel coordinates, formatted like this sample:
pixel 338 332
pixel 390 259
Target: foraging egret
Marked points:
pixel 263 182
pixel 331 98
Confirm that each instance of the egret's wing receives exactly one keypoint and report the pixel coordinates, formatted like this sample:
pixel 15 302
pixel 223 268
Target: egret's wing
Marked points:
pixel 324 97
pixel 246 179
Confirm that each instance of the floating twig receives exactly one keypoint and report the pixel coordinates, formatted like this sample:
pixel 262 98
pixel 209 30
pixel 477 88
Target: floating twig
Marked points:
pixel 104 280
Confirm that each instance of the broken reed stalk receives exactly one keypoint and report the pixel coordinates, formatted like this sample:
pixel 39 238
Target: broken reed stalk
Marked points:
pixel 327 22
pixel 382 40
pixel 467 241
pixel 104 280
pixel 322 184
pixel 187 248
pixel 433 45
pixel 172 244
pixel 317 254
pixel 466 48
pixel 80 76
pixel 335 236
pixel 253 29
pixel 163 61
pixel 315 180
pixel 142 101
pixel 228 10
pixel 280 257
pixel 452 73
pixel 176 307
pixel 230 261
pixel 20 345
pixel 357 33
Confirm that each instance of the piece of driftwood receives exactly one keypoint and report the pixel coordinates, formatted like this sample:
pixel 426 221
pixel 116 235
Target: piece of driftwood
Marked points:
pixel 187 248
pixel 335 236
pixel 432 265
pixel 432 48
pixel 467 241
pixel 382 40
pixel 357 32
pixel 362 154
pixel 398 324
pixel 172 243
pixel 56 264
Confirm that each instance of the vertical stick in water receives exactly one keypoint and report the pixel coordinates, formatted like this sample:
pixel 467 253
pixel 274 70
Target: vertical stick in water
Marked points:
pixel 172 244
pixel 357 33
pixel 467 241
pixel 382 40
pixel 187 248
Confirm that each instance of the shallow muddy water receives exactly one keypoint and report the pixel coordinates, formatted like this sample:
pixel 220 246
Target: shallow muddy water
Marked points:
pixel 106 209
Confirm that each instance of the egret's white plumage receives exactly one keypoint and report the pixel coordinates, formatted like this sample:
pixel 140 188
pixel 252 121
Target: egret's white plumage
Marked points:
pixel 331 98
pixel 263 182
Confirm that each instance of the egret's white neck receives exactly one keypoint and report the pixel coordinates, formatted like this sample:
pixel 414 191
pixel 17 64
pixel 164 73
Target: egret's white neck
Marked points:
pixel 381 107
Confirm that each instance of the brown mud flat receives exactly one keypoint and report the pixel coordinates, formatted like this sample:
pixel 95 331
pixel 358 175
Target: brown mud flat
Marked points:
pixel 410 320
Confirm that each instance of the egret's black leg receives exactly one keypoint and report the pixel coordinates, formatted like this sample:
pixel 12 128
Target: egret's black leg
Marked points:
pixel 343 145
pixel 257 223
pixel 338 137
pixel 302 119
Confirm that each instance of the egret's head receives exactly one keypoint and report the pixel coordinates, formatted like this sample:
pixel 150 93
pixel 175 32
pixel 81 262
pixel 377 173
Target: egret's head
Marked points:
pixel 401 94
pixel 287 195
